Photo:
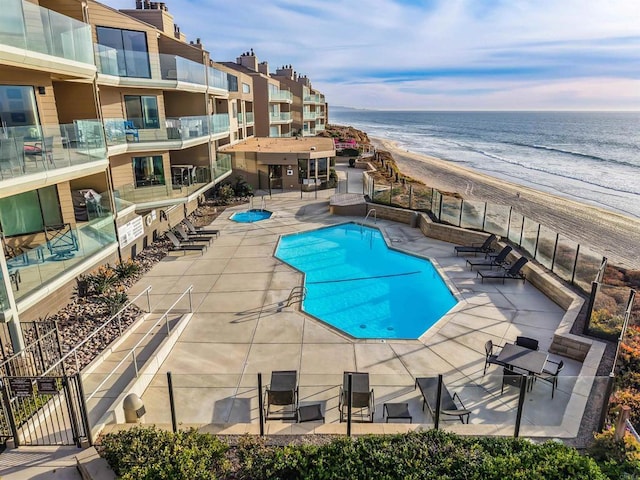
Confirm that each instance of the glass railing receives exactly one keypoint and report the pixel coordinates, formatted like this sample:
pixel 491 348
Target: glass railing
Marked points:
pixel 249 116
pixel 279 117
pixel 309 116
pixel 173 67
pixel 218 79
pixel 28 26
pixel 222 165
pixel 281 96
pixel 29 150
pixel 319 127
pixel 315 98
pixel 184 180
pixel 240 119
pixel 120 131
pixel 219 123
pixel 4 298
pixel 51 259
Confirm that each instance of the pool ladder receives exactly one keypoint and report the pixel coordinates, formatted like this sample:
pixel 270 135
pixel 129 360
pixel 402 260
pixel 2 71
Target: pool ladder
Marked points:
pixel 263 204
pixel 375 218
pixel 297 295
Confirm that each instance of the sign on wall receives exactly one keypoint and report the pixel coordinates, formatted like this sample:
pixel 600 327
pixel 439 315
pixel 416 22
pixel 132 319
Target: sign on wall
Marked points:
pixel 131 230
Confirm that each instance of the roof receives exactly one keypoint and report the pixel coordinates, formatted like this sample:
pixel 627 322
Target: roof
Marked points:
pixel 284 145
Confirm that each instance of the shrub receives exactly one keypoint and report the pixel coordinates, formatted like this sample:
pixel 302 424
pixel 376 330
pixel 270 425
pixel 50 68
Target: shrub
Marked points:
pixel 617 460
pixel 152 453
pixel 127 269
pixel 226 193
pixel 102 279
pixel 114 299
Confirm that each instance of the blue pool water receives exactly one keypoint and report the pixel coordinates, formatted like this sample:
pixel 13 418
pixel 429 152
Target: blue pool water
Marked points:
pixel 250 216
pixel 357 284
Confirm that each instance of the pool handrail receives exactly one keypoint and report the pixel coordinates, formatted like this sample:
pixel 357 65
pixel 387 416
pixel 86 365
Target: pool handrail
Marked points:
pixel 375 218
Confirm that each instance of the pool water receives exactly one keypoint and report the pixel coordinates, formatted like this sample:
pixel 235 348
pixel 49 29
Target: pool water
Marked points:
pixel 357 284
pixel 251 216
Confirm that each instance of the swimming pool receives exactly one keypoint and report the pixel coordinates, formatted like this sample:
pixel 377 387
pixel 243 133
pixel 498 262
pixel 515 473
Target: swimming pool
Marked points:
pixel 357 284
pixel 250 216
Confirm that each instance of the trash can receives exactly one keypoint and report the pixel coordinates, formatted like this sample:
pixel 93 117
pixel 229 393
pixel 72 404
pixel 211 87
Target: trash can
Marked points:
pixel 414 219
pixel 133 408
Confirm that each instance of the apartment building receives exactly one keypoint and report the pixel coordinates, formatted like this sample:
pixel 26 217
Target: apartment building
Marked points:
pixel 271 100
pixel 309 107
pixel 110 129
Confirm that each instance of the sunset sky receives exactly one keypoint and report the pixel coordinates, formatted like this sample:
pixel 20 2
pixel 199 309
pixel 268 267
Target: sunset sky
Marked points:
pixel 435 54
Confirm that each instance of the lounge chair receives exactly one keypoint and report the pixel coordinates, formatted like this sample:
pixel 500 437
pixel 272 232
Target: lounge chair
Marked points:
pixel 477 247
pixel 361 395
pixel 429 388
pixel 178 245
pixel 500 260
pixel 200 230
pixel 282 392
pixel 512 273
pixel 187 238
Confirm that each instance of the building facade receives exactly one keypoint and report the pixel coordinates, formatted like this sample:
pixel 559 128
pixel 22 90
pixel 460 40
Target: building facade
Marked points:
pixel 112 127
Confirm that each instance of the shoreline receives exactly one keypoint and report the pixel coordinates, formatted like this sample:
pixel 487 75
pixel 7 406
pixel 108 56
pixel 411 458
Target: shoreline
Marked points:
pixel 604 232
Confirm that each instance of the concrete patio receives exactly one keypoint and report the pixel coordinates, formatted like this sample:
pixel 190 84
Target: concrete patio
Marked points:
pixel 239 328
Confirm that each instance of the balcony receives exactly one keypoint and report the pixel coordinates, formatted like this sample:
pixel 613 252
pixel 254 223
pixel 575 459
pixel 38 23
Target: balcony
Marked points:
pixel 309 115
pixel 281 96
pixel 37 149
pixel 218 79
pixel 319 127
pixel 186 180
pixel 281 117
pixel 27 31
pixel 176 132
pixel 61 250
pixel 180 69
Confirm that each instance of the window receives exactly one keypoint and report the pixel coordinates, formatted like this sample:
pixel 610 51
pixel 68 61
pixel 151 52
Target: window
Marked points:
pixel 234 109
pixel 232 82
pixel 130 49
pixel 142 111
pixel 18 111
pixel 322 167
pixel 148 171
pixel 302 169
pixel 29 212
pixel 246 88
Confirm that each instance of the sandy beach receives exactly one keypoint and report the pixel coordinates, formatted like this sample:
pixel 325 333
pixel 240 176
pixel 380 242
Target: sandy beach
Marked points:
pixel 615 236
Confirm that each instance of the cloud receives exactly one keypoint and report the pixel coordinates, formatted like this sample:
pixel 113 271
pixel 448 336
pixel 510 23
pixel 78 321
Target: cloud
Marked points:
pixel 495 54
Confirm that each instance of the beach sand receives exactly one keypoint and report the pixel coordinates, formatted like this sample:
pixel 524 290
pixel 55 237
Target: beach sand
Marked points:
pixel 615 236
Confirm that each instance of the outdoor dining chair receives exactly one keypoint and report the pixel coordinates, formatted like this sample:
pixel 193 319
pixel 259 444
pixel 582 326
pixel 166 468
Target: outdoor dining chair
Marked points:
pixel 282 392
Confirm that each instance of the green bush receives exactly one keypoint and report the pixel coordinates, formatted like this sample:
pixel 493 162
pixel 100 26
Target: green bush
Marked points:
pixel 617 460
pixel 150 453
pixel 127 269
pixel 226 193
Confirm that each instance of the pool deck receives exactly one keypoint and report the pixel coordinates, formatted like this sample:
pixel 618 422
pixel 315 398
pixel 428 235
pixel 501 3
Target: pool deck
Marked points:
pixel 240 328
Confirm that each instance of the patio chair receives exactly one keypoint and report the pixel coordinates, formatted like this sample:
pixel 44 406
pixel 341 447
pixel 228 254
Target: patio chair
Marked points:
pixel 490 357
pixel 500 260
pixel 282 392
pixel 477 247
pixel 200 230
pixel 510 378
pixel 361 395
pixel 186 237
pixel 130 129
pixel 178 245
pixel 514 272
pixel 551 375
pixel 44 149
pixel 526 342
pixel 429 388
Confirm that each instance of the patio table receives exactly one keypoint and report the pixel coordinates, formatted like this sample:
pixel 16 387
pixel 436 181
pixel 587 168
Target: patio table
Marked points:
pixel 523 358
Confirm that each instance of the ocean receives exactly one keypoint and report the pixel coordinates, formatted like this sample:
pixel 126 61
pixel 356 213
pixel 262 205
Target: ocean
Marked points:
pixel 591 157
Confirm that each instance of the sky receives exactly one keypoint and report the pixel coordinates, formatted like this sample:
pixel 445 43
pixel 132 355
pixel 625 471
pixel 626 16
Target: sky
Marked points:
pixel 435 54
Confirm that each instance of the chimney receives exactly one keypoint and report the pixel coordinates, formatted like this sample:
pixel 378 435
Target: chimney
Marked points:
pixel 248 60
pixel 263 68
pixel 138 4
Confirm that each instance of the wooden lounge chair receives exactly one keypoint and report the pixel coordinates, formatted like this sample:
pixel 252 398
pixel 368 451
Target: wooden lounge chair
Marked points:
pixel 282 392
pixel 361 395
pixel 178 245
pixel 200 230
pixel 187 238
pixel 477 248
pixel 499 260
pixel 429 388
pixel 512 273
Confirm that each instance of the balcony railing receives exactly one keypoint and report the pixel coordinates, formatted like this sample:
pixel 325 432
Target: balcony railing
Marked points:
pixel 50 259
pixel 4 298
pixel 218 79
pixel 279 117
pixel 173 67
pixel 249 117
pixel 219 123
pixel 120 131
pixel 281 96
pixel 309 116
pixel 27 26
pixel 222 165
pixel 34 149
